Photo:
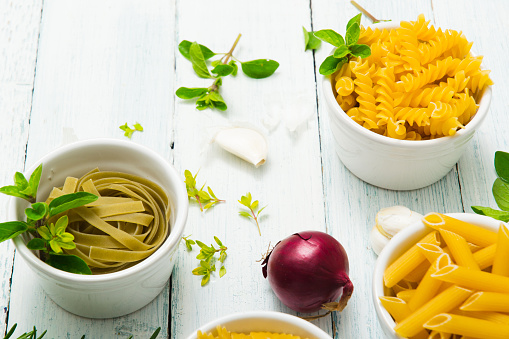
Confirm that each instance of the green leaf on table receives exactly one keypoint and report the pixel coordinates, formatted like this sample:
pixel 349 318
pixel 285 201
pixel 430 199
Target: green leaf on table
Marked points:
pixel 68 263
pixel 352 34
pixel 222 271
pixel 36 244
pixel 490 212
pixel 341 51
pixel 205 279
pixel 14 191
pixel 185 45
pixel 198 61
pixel 129 131
pixel 328 35
pixel 501 194
pixel 218 241
pixel 502 165
pixel 12 229
pixel 138 127
pixel 260 68
pixel 217 101
pixel 235 67
pixel 355 20
pixel 189 93
pixel 331 65
pixel 223 70
pixel 68 201
pixel 37 211
pixel 310 41
pixel 156 333
pixel 360 50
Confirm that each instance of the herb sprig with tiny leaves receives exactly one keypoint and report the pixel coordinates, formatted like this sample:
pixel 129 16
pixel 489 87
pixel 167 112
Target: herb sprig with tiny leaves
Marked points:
pixel 345 48
pixel 207 258
pixel 254 212
pixel 500 190
pixel 209 97
pixel 202 197
pixel 128 131
pixel 45 223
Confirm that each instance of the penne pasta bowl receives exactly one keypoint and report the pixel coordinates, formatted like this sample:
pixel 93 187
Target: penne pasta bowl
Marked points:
pixel 126 290
pixel 263 321
pixel 398 245
pixel 388 162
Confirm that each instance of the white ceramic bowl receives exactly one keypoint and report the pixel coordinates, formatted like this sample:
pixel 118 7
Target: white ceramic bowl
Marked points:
pixel 264 321
pixel 123 292
pixel 397 246
pixel 396 164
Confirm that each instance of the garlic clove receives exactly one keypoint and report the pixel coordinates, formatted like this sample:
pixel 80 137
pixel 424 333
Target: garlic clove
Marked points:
pixel 388 222
pixel 246 143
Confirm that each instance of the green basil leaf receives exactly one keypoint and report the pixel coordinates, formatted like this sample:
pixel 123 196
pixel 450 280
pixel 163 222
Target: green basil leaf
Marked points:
pixel 185 45
pixel 310 41
pixel 37 211
pixel 341 52
pixel 223 70
pixel 34 180
pixel 352 34
pixel 306 38
pixel 502 165
pixel 14 191
pixel 68 263
pixel 189 93
pixel 20 181
pixel 328 35
pixel 331 65
pixel 355 20
pixel 36 244
pixel 198 61
pixel 68 201
pixel 12 229
pixel 360 50
pixel 260 68
pixel 501 194
pixel 490 212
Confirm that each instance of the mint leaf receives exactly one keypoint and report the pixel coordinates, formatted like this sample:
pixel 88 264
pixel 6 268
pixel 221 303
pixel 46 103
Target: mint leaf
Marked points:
pixel 502 165
pixel 331 65
pixel 490 212
pixel 260 68
pixel 355 20
pixel 328 35
pixel 68 201
pixel 68 263
pixel 223 70
pixel 341 51
pixel 198 61
pixel 362 51
pixel 12 229
pixel 310 41
pixel 185 45
pixel 352 34
pixel 189 93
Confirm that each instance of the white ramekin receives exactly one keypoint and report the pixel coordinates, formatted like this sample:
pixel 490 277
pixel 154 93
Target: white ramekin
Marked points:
pixel 119 293
pixel 396 164
pixel 401 243
pixel 264 321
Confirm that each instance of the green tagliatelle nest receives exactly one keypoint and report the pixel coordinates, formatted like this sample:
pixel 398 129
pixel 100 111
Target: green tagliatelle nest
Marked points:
pixel 128 222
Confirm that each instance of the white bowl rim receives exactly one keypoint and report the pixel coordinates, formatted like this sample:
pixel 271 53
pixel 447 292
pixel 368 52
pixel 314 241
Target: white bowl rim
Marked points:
pixel 171 242
pixel 470 127
pixel 384 318
pixel 271 315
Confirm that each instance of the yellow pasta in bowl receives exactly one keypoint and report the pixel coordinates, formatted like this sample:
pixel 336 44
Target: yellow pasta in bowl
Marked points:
pixel 465 287
pixel 402 117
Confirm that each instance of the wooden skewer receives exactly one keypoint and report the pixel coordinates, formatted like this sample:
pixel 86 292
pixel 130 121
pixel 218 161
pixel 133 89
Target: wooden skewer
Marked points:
pixel 366 13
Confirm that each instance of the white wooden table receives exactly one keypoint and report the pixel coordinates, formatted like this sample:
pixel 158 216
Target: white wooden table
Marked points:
pixel 72 70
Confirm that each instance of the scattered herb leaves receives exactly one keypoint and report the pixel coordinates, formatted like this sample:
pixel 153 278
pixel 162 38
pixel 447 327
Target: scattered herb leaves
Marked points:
pixel 310 41
pixel 128 131
pixel 202 197
pixel 209 97
pixel 345 47
pixel 254 212
pixel 207 258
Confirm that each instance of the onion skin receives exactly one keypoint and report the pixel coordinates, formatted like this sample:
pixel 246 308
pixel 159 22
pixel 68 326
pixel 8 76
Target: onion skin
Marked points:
pixel 308 271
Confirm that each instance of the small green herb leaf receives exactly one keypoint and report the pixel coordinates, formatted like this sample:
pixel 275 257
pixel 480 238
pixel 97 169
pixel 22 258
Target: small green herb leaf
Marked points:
pixel 310 41
pixel 341 51
pixel 235 67
pixel 223 70
pixel 189 93
pixel 33 182
pixel 68 263
pixel 68 201
pixel 20 181
pixel 355 20
pixel 352 34
pixel 222 271
pixel 14 191
pixel 156 333
pixel 490 212
pixel 331 65
pixel 217 101
pixel 362 51
pixel 501 194
pixel 37 211
pixel 198 61
pixel 328 35
pixel 260 68
pixel 12 229
pixel 185 45
pixel 36 244
pixel 502 165
pixel 128 131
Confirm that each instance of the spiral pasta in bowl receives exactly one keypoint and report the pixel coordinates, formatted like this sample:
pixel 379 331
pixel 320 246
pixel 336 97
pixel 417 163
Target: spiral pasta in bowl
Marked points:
pixel 402 117
pixel 128 237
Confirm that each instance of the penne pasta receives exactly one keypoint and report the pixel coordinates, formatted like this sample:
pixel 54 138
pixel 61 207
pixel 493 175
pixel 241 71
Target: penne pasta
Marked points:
pixel 485 256
pixel 487 301
pixel 467 326
pixel 490 316
pixel 501 259
pixel 397 308
pixel 476 280
pixel 431 251
pixel 406 295
pixel 426 290
pixel 459 249
pixel 439 335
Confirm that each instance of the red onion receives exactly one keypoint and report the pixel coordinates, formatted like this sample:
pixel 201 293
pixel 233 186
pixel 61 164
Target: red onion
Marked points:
pixel 309 271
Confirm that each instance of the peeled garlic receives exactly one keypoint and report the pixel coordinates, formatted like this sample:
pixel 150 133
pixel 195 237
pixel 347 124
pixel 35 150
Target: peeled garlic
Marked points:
pixel 246 143
pixel 388 222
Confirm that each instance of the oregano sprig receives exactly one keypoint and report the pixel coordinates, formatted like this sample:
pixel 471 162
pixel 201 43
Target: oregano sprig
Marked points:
pixel 209 97
pixel 207 258
pixel 128 131
pixel 345 48
pixel 254 212
pixel 208 198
